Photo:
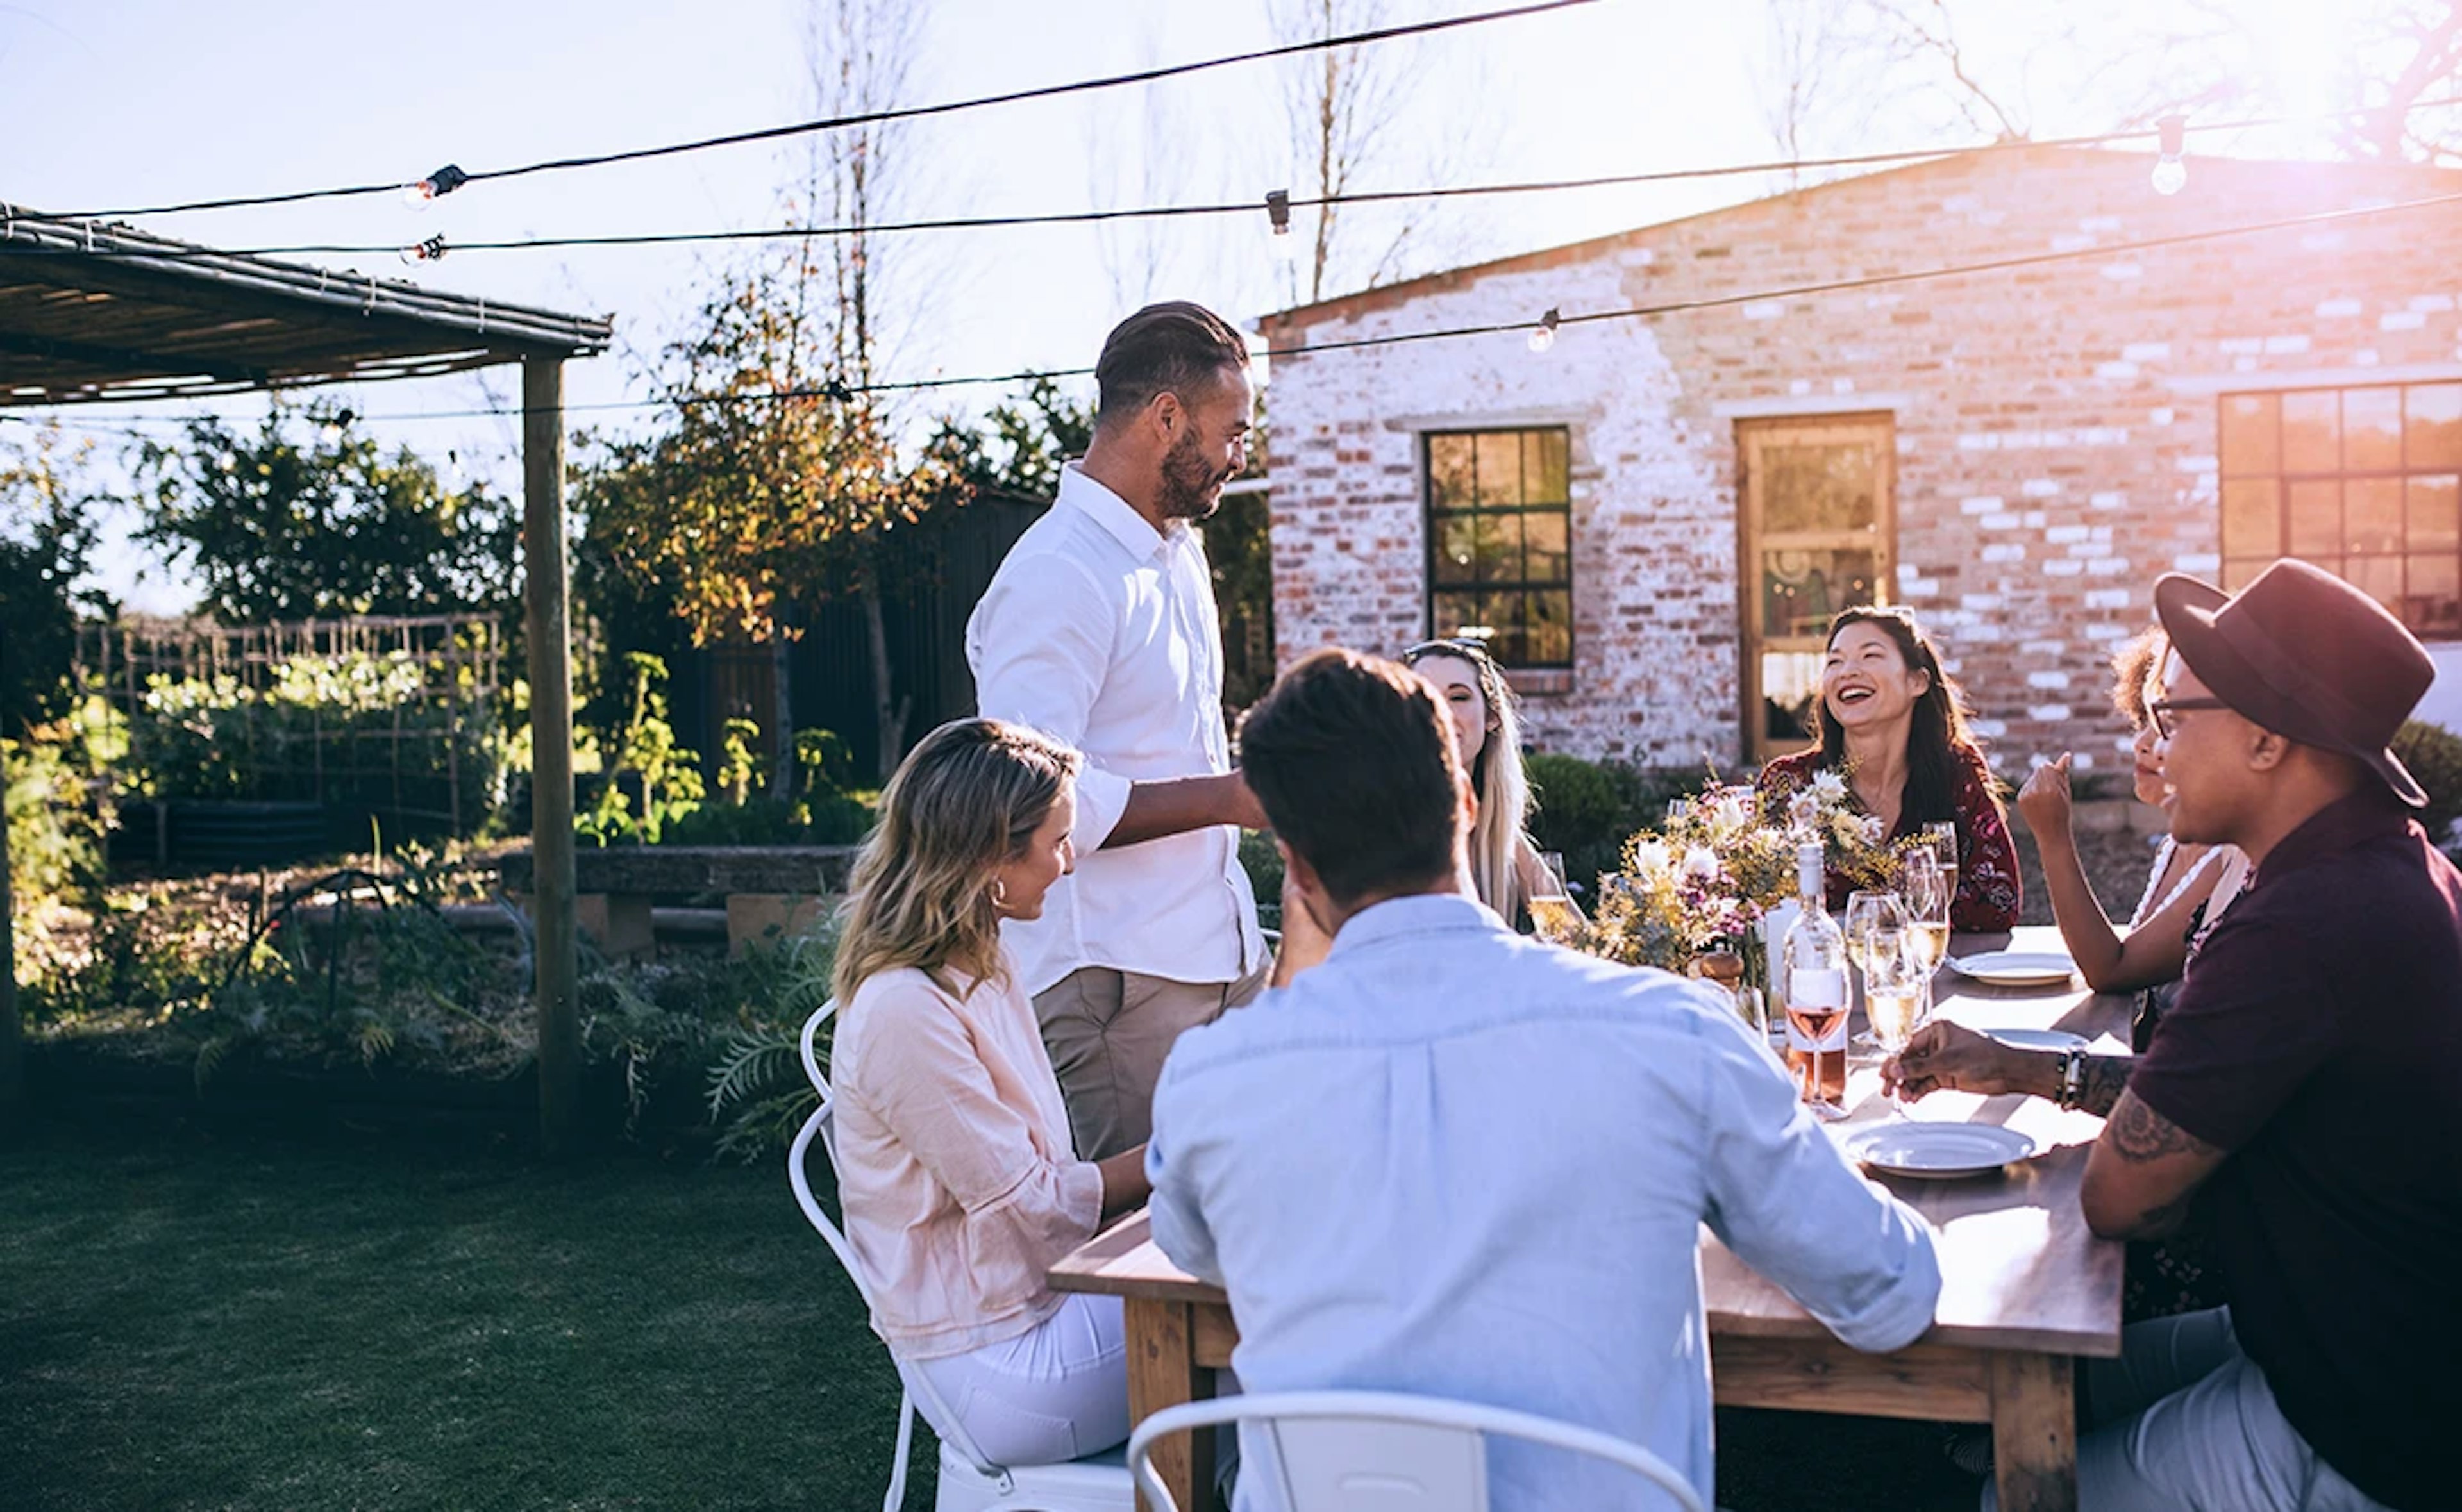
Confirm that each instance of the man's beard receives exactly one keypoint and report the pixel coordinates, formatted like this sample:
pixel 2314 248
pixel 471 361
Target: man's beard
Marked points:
pixel 1191 486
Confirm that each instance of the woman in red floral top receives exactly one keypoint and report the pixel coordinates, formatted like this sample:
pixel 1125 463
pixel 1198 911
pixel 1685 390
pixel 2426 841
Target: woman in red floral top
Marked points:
pixel 1894 726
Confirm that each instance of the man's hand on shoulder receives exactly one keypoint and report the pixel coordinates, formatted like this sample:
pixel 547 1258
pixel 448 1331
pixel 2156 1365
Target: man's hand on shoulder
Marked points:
pixel 1178 805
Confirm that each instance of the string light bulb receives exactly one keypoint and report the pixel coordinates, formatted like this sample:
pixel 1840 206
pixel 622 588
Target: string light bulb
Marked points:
pixel 2172 168
pixel 1278 217
pixel 1542 336
pixel 334 428
pixel 435 187
pixel 430 250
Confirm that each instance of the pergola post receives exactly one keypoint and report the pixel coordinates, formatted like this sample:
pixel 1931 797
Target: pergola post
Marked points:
pixel 551 657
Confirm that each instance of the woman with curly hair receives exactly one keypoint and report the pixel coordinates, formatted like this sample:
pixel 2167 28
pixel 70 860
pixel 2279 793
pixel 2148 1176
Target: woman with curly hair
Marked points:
pixel 1893 725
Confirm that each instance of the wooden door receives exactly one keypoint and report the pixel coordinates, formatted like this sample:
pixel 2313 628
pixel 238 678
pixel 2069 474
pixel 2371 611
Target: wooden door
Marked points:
pixel 1816 531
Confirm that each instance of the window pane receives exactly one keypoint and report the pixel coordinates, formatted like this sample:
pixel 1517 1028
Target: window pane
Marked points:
pixel 1500 466
pixel 2431 429
pixel 1801 589
pixel 2252 519
pixel 2316 517
pixel 1505 613
pixel 2239 570
pixel 1551 628
pixel 1816 487
pixel 1455 614
pixel 1457 549
pixel 2379 578
pixel 2251 440
pixel 1543 534
pixel 2436 513
pixel 2432 598
pixel 1552 482
pixel 2312 438
pixel 1500 548
pixel 1790 680
pixel 1449 474
pixel 2372 517
pixel 2373 429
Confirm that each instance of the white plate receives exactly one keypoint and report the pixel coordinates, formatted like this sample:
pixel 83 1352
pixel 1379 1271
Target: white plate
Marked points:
pixel 2016 968
pixel 1935 1151
pixel 2039 1039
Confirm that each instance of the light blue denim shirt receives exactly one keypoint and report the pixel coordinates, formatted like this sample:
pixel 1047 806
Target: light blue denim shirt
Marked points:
pixel 1455 1161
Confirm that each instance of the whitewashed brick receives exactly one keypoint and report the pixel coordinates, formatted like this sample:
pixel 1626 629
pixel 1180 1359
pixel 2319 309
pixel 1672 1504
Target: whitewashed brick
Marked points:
pixel 2107 599
pixel 2048 681
pixel 2244 364
pixel 1981 504
pixel 1999 522
pixel 2108 499
pixel 1764 309
pixel 2104 631
pixel 2107 567
pixel 2115 370
pixel 2064 567
pixel 1989 729
pixel 2082 761
pixel 2401 320
pixel 1842 385
pixel 2197 562
pixel 2198 464
pixel 2043 648
pixel 2146 351
pixel 2121 273
pixel 1799 386
pixel 2048 713
pixel 2040 488
pixel 2365 358
pixel 1918 588
pixel 2008 552
pixel 2337 309
pixel 2233 346
pixel 2282 346
pixel 2325 241
pixel 2063 535
pixel 1978 441
pixel 2159 417
pixel 2425 303
pixel 2070 242
pixel 2035 518
pixel 1979 603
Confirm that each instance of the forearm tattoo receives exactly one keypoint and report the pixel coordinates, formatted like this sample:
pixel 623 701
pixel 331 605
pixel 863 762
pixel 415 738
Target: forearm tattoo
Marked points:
pixel 2104 1078
pixel 2138 1133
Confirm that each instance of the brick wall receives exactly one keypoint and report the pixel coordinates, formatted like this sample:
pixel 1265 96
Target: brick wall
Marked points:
pixel 2056 424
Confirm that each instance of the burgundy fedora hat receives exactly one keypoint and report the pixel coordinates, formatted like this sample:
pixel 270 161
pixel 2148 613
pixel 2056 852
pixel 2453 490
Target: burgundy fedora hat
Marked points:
pixel 2306 656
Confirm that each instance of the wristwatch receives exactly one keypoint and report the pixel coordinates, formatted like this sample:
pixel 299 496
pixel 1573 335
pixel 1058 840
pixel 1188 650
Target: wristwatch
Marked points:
pixel 2072 1070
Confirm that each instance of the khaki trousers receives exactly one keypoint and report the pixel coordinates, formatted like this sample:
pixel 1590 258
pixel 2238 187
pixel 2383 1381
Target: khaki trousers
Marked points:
pixel 1109 1032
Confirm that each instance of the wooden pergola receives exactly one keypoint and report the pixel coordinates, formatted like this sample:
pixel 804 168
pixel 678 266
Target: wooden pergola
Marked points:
pixel 97 314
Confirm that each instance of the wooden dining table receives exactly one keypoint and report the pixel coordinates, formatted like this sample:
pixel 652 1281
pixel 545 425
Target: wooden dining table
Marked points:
pixel 2026 1291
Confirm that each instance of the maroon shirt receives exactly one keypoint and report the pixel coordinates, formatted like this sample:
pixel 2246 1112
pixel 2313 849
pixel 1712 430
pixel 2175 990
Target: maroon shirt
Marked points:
pixel 2318 1037
pixel 1987 856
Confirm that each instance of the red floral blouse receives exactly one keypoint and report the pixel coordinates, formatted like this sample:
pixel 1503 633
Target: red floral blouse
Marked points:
pixel 1987 857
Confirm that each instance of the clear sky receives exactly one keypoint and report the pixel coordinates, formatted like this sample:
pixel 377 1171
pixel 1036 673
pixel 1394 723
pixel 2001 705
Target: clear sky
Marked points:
pixel 114 102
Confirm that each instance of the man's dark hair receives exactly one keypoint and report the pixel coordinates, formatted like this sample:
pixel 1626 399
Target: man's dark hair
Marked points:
pixel 1352 759
pixel 1172 347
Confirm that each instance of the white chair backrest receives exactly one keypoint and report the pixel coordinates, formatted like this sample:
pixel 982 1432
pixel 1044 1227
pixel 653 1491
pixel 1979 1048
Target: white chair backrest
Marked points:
pixel 1386 1450
pixel 822 1126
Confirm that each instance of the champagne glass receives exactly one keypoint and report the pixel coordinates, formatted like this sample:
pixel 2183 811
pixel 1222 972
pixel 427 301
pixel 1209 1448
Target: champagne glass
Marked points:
pixel 1866 914
pixel 1942 835
pixel 1928 890
pixel 1897 990
pixel 1551 902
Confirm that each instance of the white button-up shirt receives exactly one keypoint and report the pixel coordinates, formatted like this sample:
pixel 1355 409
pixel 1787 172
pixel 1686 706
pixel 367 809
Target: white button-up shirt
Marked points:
pixel 1454 1161
pixel 1100 631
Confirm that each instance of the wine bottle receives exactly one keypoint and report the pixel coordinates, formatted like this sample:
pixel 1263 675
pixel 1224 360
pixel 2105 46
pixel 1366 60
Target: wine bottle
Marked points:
pixel 1813 988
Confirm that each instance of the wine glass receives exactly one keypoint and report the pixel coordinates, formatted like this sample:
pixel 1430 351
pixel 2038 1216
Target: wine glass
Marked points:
pixel 1942 835
pixel 1868 911
pixel 1897 990
pixel 1551 902
pixel 1928 890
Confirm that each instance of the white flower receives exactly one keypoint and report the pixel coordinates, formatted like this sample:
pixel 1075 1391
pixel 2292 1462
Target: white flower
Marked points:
pixel 1731 812
pixel 1651 857
pixel 1872 831
pixel 1829 786
pixel 1702 862
pixel 1804 809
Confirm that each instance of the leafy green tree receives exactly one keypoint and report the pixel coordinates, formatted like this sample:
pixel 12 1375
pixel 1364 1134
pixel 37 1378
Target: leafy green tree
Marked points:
pixel 1019 445
pixel 47 542
pixel 307 517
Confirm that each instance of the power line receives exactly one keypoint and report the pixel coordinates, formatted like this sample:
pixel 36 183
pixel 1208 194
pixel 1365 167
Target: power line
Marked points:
pixel 1864 160
pixel 845 391
pixel 869 117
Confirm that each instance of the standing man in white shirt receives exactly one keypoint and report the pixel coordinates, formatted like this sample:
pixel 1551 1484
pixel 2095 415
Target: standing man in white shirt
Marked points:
pixel 1099 629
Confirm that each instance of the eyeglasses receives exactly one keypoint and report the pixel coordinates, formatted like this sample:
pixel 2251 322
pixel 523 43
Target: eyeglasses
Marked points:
pixel 2161 710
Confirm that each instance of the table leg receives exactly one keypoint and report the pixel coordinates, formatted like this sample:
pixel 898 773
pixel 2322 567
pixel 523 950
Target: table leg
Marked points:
pixel 1163 1372
pixel 2034 1433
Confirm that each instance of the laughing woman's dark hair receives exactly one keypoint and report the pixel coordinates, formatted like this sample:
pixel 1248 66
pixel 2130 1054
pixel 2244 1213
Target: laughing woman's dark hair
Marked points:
pixel 1938 742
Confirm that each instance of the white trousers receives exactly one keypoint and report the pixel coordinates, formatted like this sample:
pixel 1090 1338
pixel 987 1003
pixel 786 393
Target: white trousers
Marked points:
pixel 2185 1420
pixel 1057 1392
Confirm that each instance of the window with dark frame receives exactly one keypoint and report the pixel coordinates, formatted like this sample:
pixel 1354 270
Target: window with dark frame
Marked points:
pixel 2365 482
pixel 1500 541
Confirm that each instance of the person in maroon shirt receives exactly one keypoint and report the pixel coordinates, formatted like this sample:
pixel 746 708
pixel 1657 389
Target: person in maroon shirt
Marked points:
pixel 2302 1097
pixel 1894 726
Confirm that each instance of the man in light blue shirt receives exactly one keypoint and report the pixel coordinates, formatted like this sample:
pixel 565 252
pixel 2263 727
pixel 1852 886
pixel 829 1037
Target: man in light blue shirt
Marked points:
pixel 1454 1161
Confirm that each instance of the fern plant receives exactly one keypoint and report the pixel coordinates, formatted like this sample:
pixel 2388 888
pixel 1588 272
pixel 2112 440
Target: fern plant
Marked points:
pixel 758 1092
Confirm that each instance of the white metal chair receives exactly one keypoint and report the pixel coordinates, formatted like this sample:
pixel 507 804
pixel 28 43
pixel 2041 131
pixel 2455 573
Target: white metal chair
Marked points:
pixel 970 1483
pixel 1386 1451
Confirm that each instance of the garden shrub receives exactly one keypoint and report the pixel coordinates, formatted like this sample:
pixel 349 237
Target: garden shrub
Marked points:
pixel 1588 809
pixel 2434 756
pixel 59 782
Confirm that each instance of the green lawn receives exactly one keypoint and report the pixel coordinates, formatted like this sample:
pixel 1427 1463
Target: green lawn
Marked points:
pixel 189 1322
